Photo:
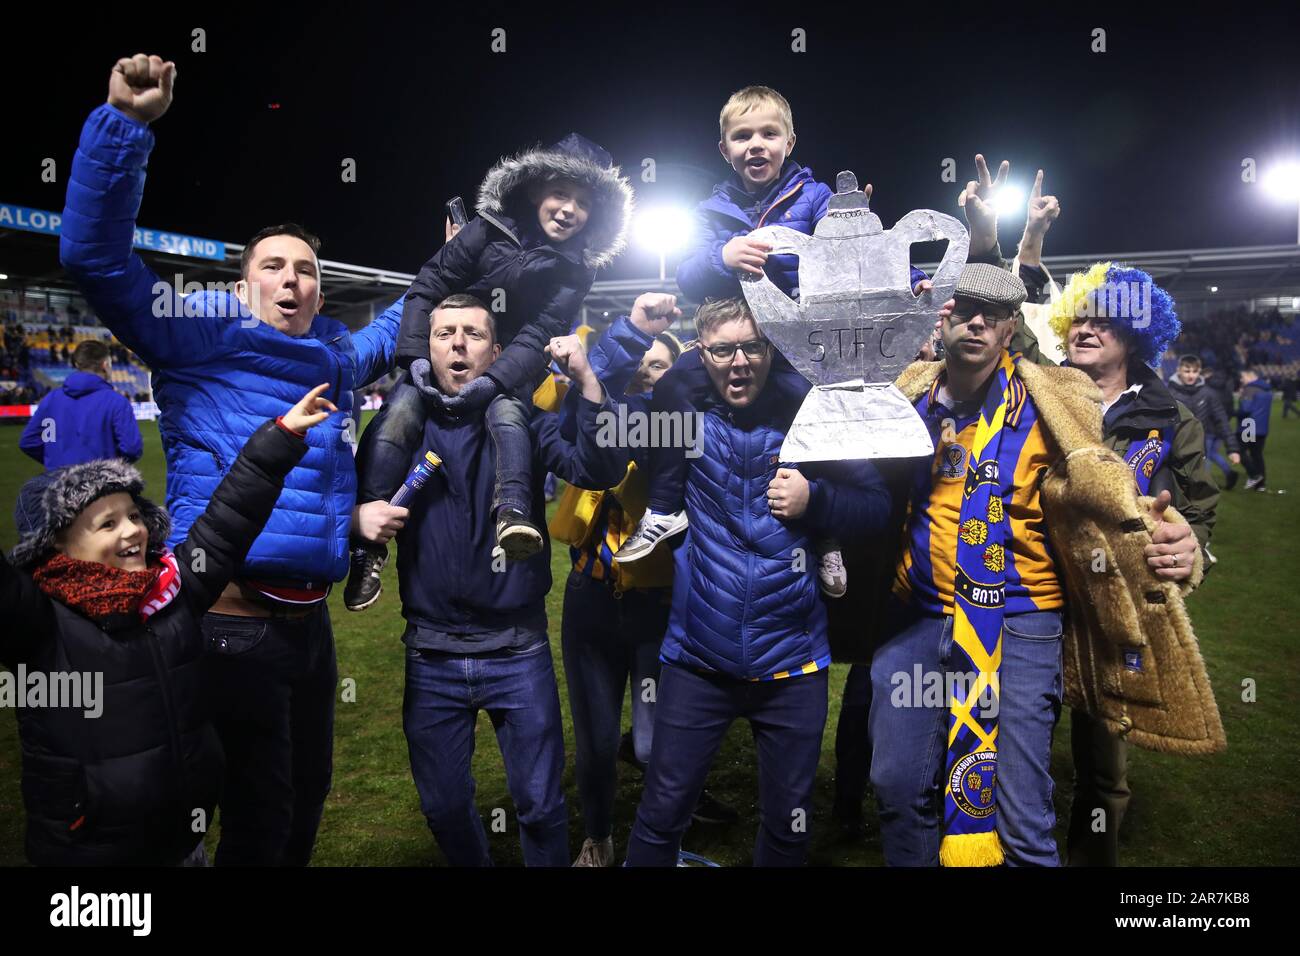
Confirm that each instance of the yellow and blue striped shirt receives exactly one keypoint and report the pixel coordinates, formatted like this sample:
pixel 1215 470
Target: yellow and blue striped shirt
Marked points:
pixel 928 565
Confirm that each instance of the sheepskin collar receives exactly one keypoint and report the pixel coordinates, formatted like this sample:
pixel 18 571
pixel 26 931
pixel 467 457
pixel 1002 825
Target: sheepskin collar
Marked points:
pixel 1068 402
pixel 605 236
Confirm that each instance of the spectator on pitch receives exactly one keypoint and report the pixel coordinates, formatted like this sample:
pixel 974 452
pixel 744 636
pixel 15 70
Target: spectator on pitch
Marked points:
pixel 747 635
pixel 476 630
pixel 1190 387
pixel 1253 410
pixel 84 419
pixel 220 368
pixel 93 582
pixel 980 590
pixel 615 616
pixel 1164 445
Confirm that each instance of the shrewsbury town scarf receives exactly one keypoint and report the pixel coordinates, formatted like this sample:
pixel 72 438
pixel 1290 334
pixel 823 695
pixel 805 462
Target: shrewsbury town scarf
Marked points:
pixel 979 598
pixel 1146 455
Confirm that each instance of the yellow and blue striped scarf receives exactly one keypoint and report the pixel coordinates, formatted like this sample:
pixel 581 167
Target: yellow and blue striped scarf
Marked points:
pixel 970 790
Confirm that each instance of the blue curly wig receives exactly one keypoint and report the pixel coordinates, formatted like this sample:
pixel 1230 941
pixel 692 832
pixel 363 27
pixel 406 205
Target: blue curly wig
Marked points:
pixel 1149 334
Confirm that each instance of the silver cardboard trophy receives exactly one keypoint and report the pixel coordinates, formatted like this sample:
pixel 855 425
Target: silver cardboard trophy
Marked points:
pixel 856 325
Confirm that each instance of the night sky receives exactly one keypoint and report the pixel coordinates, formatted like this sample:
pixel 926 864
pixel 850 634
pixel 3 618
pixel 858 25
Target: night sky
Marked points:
pixel 1143 143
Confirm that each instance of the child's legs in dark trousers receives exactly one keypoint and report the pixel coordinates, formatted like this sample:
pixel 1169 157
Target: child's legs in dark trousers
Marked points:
pixel 389 442
pixel 1253 454
pixel 507 426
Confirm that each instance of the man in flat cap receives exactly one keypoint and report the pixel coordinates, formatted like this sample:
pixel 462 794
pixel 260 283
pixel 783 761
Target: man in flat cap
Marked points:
pixel 966 680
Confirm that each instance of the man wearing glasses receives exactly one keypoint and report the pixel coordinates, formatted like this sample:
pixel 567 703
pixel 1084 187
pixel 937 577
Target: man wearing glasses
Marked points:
pixel 747 636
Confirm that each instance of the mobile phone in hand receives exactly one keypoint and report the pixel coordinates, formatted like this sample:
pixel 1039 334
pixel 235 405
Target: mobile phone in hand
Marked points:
pixel 456 210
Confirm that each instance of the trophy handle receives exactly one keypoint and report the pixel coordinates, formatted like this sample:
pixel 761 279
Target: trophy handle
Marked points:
pixel 784 240
pixel 926 225
pixel 761 293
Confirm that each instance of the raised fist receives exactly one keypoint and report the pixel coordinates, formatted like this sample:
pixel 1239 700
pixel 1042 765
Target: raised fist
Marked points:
pixel 141 86
pixel 653 312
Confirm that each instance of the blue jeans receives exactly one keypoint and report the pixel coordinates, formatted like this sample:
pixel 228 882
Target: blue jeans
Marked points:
pixel 1213 455
pixel 692 715
pixel 910 742
pixel 607 639
pixel 444 693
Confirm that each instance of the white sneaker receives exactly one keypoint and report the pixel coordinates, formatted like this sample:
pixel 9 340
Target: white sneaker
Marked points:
pixel 596 854
pixel 652 529
pixel 831 574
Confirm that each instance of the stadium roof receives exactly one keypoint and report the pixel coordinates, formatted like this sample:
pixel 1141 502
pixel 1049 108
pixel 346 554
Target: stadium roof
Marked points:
pixel 1201 280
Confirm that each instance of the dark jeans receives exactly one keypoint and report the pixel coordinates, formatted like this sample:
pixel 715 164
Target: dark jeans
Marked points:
pixel 683 389
pixel 271 681
pixel 389 443
pixel 692 716
pixel 1252 456
pixel 608 639
pixel 853 738
pixel 507 425
pixel 1100 783
pixel 444 693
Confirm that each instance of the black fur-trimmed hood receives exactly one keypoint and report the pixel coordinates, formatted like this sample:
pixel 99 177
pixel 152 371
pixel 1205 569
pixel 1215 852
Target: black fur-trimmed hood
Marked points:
pixel 581 160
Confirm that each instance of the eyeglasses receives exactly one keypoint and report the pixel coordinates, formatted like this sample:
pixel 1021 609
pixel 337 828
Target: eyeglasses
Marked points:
pixel 726 351
pixel 963 312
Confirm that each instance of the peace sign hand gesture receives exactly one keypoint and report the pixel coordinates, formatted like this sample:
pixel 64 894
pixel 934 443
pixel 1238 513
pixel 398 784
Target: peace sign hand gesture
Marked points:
pixel 976 200
pixel 1043 210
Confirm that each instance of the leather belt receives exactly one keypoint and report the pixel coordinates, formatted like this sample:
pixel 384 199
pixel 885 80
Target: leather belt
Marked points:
pixel 241 601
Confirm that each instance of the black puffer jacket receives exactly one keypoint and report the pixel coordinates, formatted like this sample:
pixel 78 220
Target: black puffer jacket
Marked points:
pixel 1205 403
pixel 126 787
pixel 534 287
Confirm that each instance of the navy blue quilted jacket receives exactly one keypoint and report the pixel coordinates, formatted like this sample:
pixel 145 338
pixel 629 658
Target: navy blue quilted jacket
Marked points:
pixel 218 375
pixel 744 603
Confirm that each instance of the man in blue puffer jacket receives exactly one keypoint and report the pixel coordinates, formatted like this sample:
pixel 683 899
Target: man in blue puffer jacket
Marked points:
pixel 748 635
pixel 222 365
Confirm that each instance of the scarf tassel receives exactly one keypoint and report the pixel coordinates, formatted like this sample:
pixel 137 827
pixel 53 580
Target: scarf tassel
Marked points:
pixel 971 849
